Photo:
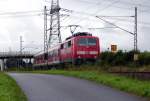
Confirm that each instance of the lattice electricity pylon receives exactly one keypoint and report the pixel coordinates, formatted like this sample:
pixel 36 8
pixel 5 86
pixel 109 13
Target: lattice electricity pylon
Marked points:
pixel 45 30
pixel 54 35
pixel 48 30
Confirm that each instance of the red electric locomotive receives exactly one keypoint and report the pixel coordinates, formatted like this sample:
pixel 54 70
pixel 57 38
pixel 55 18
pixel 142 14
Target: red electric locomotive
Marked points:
pixel 79 48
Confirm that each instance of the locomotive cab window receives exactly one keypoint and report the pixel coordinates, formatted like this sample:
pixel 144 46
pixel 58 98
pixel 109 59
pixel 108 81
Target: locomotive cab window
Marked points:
pixel 91 41
pixel 82 42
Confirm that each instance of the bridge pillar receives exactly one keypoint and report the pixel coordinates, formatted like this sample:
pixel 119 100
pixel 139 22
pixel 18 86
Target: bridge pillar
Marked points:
pixel 5 66
pixel 30 60
pixel 2 65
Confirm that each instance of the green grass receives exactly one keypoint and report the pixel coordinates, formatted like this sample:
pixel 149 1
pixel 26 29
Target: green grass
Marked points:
pixel 141 88
pixel 9 90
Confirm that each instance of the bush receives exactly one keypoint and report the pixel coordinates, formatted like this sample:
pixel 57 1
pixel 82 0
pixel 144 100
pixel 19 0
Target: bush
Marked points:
pixel 144 58
pixel 124 59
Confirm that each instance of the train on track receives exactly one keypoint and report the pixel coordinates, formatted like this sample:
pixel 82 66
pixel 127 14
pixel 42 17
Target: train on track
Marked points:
pixel 77 49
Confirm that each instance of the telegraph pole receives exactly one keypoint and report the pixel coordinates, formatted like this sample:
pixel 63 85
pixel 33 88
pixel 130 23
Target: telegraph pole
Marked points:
pixel 135 38
pixel 135 32
pixel 21 45
pixel 20 51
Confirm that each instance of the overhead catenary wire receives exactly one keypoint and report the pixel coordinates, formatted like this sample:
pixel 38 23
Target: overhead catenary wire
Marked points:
pixel 114 25
pixel 128 20
pixel 112 17
pixel 90 15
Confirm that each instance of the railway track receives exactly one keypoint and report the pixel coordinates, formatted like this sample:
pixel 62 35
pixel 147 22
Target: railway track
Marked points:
pixel 137 75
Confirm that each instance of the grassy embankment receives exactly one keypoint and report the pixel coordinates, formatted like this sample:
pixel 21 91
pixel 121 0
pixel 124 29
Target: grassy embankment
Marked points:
pixel 9 90
pixel 141 88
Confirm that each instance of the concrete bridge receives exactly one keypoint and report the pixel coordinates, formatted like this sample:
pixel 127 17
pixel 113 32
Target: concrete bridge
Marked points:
pixel 17 55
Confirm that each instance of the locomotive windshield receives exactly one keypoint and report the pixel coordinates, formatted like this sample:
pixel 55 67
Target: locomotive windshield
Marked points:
pixel 91 41
pixel 82 42
pixel 87 41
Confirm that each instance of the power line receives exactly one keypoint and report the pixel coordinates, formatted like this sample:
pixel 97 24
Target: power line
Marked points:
pixel 26 13
pixel 108 6
pixel 95 3
pixel 134 4
pixel 89 2
pixel 21 12
pixel 16 16
pixel 101 28
pixel 121 2
pixel 89 14
pixel 121 7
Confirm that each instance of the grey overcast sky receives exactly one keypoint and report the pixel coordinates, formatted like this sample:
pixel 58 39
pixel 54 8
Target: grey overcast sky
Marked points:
pixel 30 25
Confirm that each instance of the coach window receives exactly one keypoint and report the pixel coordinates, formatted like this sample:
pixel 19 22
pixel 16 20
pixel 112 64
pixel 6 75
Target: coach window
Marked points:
pixel 54 52
pixel 69 44
pixel 50 53
pixel 45 56
pixel 62 46
pixel 65 45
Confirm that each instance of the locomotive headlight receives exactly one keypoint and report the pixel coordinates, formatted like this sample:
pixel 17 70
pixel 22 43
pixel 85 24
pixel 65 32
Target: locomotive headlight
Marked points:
pixel 93 52
pixel 81 52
